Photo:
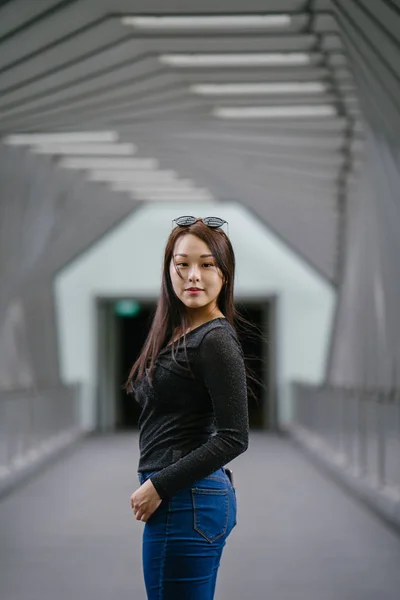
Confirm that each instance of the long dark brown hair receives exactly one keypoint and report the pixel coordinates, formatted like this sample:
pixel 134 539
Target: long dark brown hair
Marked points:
pixel 171 317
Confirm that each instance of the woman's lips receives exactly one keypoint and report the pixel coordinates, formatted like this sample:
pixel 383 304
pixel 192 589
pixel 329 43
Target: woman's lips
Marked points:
pixel 193 291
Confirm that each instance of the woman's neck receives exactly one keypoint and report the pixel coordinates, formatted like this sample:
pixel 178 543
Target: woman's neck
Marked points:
pixel 196 320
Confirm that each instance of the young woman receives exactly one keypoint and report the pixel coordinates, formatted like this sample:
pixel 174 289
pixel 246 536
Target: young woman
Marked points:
pixel 190 381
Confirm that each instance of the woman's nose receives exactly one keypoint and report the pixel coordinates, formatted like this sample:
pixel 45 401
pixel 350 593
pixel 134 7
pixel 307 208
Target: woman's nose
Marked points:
pixel 193 274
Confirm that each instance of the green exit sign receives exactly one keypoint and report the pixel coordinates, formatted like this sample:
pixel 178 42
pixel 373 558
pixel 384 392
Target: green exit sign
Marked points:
pixel 127 308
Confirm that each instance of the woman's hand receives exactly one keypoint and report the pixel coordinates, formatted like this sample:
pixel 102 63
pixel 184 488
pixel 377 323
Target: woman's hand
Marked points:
pixel 145 501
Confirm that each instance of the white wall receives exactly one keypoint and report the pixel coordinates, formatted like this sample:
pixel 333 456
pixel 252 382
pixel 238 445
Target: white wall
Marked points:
pixel 127 262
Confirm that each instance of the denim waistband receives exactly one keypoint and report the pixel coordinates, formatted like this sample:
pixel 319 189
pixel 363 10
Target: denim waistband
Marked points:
pixel 147 474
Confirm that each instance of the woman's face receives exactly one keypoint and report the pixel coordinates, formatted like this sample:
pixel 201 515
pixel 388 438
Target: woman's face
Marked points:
pixel 198 268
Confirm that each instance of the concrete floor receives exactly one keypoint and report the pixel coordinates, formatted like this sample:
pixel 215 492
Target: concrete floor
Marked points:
pixel 69 533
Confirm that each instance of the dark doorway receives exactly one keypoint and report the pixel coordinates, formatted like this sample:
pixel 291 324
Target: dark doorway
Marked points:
pixel 254 344
pixel 132 332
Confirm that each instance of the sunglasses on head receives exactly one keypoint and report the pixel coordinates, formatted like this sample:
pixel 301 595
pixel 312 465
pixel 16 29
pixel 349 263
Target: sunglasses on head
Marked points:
pixel 213 222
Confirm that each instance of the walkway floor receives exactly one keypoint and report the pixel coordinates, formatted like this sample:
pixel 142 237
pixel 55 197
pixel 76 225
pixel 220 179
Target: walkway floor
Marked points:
pixel 69 534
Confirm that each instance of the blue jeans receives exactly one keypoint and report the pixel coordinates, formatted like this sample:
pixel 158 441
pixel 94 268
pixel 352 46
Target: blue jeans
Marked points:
pixel 184 538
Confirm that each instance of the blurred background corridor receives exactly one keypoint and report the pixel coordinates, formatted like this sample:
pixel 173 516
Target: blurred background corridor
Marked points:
pixel 282 117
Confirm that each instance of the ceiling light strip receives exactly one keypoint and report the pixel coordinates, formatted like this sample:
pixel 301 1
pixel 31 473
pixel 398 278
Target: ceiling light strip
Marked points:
pixel 109 163
pixel 132 176
pixel 174 200
pixel 166 189
pixel 190 196
pixel 274 112
pixel 259 21
pixel 91 137
pixel 86 149
pixel 196 191
pixel 236 60
pixel 252 89
pixel 128 186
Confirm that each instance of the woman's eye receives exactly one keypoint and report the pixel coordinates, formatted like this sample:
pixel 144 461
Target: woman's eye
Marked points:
pixel 204 265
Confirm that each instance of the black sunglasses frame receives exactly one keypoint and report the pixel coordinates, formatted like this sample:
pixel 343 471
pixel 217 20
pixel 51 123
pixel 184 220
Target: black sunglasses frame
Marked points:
pixel 206 220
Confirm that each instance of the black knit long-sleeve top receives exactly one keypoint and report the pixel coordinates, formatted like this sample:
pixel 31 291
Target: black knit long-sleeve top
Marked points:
pixel 193 421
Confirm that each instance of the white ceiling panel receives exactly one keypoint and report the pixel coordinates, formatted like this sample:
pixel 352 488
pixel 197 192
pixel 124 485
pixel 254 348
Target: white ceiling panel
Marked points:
pixel 117 78
pixel 65 53
pixel 91 67
pixel 14 16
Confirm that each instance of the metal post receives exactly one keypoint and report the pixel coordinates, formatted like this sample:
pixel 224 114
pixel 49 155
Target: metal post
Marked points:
pixel 342 426
pixel 361 429
pixel 381 454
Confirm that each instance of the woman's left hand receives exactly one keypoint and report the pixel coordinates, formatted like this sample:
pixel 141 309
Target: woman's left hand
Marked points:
pixel 145 501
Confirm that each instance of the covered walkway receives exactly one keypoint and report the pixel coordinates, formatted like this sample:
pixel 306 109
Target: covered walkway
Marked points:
pixel 69 533
pixel 281 117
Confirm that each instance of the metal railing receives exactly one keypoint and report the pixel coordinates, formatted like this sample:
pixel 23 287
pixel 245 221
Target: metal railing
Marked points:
pixel 35 423
pixel 360 428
